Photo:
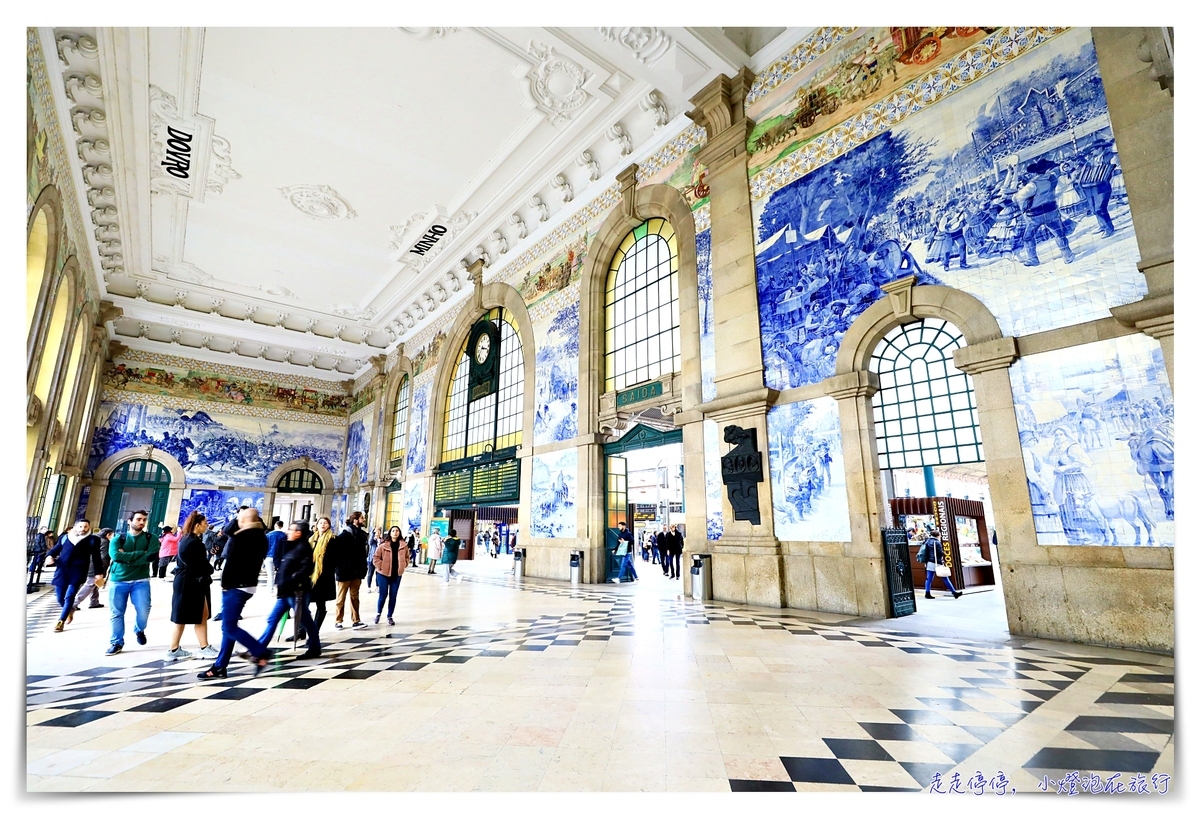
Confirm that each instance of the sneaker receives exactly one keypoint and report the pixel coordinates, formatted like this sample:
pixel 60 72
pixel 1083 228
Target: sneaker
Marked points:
pixel 208 652
pixel 178 654
pixel 337 626
pixel 70 617
pixel 358 626
pixel 113 650
pixel 58 626
pixel 376 619
pixel 97 605
pixel 141 637
pixel 391 621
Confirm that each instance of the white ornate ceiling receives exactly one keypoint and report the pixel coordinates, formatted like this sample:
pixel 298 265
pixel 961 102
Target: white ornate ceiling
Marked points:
pixel 302 199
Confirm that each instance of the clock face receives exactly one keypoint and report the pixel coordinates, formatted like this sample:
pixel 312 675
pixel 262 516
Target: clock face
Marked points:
pixel 482 347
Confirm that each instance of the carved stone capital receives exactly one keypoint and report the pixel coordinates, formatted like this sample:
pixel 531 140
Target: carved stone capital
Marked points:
pixel 732 408
pixel 985 356
pixel 379 362
pixel 109 312
pixel 720 110
pixel 1153 315
pixel 348 386
pixel 859 384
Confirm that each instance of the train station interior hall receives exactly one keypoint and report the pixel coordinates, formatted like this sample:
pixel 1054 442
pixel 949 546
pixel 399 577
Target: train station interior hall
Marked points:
pixel 639 409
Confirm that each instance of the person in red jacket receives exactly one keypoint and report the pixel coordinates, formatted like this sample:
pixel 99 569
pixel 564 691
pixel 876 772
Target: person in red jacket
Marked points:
pixel 168 549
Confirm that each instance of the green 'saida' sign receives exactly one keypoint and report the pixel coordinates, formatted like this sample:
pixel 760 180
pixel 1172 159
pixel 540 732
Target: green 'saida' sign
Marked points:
pixel 639 393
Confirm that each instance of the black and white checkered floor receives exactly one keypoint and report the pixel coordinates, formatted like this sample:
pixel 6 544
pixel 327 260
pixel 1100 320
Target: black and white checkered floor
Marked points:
pixel 928 734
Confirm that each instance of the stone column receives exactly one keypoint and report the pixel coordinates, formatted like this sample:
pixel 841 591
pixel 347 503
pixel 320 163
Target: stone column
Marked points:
pixel 695 499
pixel 1141 107
pixel 748 560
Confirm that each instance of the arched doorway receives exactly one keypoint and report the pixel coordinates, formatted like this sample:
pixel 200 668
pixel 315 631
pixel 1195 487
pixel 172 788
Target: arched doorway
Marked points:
pixel 297 495
pixel 136 485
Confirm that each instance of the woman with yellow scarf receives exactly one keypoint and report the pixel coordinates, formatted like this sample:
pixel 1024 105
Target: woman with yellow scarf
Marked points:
pixel 324 587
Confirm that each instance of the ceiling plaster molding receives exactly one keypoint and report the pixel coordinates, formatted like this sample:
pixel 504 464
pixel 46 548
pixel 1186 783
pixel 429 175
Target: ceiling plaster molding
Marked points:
pixel 555 84
pixel 454 225
pixel 78 92
pixel 654 105
pixel 428 33
pixel 216 357
pixel 647 45
pixel 318 202
pixel 210 155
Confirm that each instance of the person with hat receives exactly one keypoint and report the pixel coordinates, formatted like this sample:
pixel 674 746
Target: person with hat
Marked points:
pixel 1095 183
pixel 1037 200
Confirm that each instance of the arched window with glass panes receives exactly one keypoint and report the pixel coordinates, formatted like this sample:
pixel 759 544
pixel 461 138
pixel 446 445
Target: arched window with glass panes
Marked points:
pixel 492 423
pixel 641 307
pixel 399 424
pixel 924 411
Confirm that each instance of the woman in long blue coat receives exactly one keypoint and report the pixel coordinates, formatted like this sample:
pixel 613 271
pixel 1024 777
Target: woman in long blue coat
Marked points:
pixel 74 552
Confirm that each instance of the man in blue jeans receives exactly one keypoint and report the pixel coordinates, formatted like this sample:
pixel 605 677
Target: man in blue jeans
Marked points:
pixel 293 580
pixel 246 551
pixel 129 578
pixel 625 549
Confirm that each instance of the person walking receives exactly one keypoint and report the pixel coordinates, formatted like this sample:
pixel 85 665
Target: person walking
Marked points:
pixel 191 594
pixel 324 587
pixel 655 551
pixel 293 580
pixel 90 588
pixel 933 555
pixel 372 543
pixel 132 553
pixel 275 538
pixel 168 547
pixel 413 548
pixel 664 550
pixel 37 558
pixel 350 546
pixel 73 554
pixel 674 550
pixel 391 558
pixel 625 551
pixel 245 552
pixel 434 542
pixel 449 556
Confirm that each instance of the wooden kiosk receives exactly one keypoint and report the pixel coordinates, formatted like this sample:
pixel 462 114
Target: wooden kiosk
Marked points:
pixel 961 524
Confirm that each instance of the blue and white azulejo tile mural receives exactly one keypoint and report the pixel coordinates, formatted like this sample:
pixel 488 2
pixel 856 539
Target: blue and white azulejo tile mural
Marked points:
pixel 414 499
pixel 808 477
pixel 218 506
pixel 557 382
pixel 1009 189
pixel 418 426
pixel 712 481
pixel 358 448
pixel 1097 429
pixel 704 286
pixel 552 506
pixel 215 448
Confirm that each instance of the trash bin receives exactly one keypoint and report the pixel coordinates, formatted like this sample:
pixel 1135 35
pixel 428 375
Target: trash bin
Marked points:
pixel 702 576
pixel 576 567
pixel 518 562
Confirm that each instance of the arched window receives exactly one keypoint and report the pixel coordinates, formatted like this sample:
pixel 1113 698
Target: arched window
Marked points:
pixel 300 481
pixel 399 423
pixel 641 307
pixel 492 422
pixel 140 471
pixel 924 410
pixel 37 249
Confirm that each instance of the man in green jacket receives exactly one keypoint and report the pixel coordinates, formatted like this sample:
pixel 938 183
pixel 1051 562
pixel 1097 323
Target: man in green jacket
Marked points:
pixel 129 577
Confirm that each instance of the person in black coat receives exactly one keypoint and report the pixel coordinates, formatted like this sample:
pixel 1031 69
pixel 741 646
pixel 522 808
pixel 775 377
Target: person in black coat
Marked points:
pixel 75 552
pixel 325 559
pixel 191 597
pixel 674 550
pixel 350 553
pixel 239 580
pixel 292 582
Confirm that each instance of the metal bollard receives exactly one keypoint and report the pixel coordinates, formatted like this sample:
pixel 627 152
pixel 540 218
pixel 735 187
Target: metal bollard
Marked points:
pixel 701 576
pixel 518 562
pixel 576 567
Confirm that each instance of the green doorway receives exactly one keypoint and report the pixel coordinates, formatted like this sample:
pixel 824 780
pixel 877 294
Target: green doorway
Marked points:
pixel 616 485
pixel 136 485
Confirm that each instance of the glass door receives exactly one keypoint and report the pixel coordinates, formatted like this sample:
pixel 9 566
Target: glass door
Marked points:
pixel 616 506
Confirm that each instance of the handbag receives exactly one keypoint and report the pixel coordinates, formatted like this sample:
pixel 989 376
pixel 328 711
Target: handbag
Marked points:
pixel 942 570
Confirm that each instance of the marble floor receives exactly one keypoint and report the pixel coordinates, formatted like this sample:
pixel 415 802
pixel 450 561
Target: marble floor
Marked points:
pixel 493 685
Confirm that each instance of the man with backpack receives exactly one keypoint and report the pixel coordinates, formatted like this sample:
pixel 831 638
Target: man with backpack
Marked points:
pixel 129 578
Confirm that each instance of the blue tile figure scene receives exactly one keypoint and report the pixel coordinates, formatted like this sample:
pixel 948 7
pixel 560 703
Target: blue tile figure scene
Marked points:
pixel 557 381
pixel 414 494
pixel 552 506
pixel 808 478
pixel 358 449
pixel 418 423
pixel 712 480
pixel 1009 189
pixel 1097 428
pixel 708 349
pixel 215 448
pixel 218 506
